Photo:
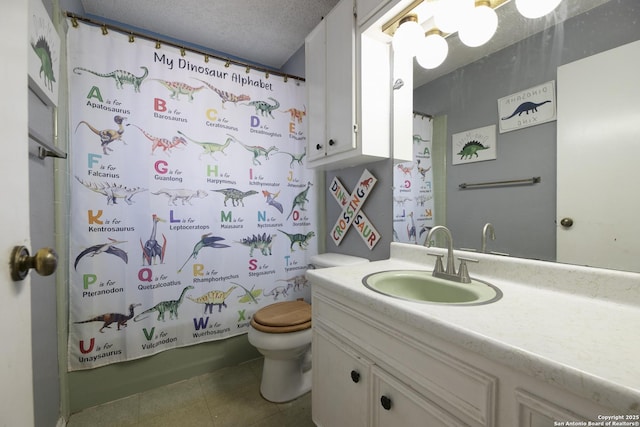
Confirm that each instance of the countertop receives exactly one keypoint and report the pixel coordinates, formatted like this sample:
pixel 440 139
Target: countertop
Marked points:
pixel 572 327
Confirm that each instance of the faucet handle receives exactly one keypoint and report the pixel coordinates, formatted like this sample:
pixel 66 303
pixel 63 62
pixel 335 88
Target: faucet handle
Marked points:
pixel 463 273
pixel 438 268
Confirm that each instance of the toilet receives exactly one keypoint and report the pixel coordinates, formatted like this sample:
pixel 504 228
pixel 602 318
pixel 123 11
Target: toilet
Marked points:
pixel 281 332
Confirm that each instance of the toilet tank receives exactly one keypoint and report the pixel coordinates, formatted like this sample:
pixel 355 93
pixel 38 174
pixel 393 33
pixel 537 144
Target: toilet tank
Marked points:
pixel 330 259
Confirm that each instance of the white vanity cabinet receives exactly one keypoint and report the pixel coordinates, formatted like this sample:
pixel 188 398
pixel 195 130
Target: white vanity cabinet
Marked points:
pixel 367 374
pixel 348 109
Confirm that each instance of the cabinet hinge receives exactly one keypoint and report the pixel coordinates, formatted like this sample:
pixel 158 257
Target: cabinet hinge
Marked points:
pixel 355 11
pixel 355 128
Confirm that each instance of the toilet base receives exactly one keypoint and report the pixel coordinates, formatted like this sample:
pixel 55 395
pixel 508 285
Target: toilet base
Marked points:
pixel 286 379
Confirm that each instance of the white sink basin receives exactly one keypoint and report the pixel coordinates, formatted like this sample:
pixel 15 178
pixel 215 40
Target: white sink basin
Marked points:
pixel 421 286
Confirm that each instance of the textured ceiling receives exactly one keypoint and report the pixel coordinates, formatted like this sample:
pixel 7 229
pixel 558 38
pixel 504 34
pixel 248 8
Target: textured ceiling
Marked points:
pixel 265 32
pixel 269 32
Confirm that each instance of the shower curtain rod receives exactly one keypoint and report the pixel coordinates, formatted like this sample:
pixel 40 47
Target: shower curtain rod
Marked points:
pixel 74 22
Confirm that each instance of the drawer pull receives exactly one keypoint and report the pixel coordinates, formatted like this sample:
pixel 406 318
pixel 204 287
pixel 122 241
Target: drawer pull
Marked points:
pixel 355 376
pixel 386 402
pixel 332 142
pixel 318 147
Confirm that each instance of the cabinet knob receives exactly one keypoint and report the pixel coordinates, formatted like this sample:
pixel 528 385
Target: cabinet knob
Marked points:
pixel 318 147
pixel 566 222
pixel 332 142
pixel 386 402
pixel 355 376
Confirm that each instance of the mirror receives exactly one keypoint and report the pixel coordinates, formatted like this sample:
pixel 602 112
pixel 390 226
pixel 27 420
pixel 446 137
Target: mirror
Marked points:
pixel 466 90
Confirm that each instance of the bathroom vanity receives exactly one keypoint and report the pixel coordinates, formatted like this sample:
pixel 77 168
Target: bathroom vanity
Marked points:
pixel 559 346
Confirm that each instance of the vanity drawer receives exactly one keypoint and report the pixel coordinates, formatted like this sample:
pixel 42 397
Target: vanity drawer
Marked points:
pixel 462 389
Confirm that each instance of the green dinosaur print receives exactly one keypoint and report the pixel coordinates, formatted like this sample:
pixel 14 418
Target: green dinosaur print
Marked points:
pixel 300 199
pixel 179 88
pixel 162 307
pixel 235 195
pixel 264 107
pixel 43 52
pixel 120 76
pixel 301 239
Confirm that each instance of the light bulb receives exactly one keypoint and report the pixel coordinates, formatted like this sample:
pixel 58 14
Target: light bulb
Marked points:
pixel 447 15
pixel 434 50
pixel 408 36
pixel 479 25
pixel 536 8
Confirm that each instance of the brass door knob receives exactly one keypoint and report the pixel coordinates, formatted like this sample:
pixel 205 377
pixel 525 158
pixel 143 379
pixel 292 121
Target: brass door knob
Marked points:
pixel 566 222
pixel 45 262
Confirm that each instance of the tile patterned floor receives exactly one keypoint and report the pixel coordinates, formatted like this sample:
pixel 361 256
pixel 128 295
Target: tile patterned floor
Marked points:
pixel 229 397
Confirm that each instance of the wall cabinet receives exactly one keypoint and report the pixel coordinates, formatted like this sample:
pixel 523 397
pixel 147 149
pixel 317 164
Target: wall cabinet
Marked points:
pixel 342 130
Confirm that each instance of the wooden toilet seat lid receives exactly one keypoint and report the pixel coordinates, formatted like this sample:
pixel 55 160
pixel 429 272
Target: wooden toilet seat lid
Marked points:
pixel 282 317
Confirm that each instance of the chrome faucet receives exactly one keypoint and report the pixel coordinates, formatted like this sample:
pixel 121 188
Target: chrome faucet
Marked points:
pixel 450 272
pixel 488 228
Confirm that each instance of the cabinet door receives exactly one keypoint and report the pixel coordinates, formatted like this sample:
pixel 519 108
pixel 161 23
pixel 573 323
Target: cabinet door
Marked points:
pixel 340 383
pixel 315 69
pixel 341 77
pixel 396 404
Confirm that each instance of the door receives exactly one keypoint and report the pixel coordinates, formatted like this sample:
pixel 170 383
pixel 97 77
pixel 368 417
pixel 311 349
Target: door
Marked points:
pixel 598 173
pixel 16 393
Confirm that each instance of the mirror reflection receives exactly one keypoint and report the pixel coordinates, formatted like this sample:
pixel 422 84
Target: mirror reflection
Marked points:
pixel 463 97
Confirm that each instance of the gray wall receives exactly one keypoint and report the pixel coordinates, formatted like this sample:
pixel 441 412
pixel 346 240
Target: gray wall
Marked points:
pixel 523 216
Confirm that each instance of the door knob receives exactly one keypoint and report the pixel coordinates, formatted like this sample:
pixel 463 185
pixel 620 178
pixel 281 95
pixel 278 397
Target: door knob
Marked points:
pixel 45 262
pixel 566 222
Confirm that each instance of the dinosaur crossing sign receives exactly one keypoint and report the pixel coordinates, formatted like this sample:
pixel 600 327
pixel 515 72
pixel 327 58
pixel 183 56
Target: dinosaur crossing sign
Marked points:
pixel 352 213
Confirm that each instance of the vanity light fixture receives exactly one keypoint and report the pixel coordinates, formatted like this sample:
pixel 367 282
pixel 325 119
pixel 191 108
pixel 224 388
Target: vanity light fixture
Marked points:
pixel 475 22
pixel 433 50
pixel 408 35
pixel 480 24
pixel 536 8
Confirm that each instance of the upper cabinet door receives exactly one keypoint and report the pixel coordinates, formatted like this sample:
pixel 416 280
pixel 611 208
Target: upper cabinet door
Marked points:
pixel 316 77
pixel 341 78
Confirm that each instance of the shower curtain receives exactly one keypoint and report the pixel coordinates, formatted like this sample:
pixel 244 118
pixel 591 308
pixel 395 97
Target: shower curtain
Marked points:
pixel 413 187
pixel 190 203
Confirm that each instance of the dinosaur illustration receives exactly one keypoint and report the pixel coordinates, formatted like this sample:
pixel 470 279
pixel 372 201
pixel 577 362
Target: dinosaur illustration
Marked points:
pixel 179 88
pixel 108 248
pixel 277 291
pixel 294 157
pixel 422 199
pixel 227 96
pixel 262 242
pixel 163 143
pixel 107 136
pixel 204 242
pixel 423 171
pixel 258 151
pixel 271 200
pixel 417 139
pixel 411 229
pixel 164 306
pixel 210 147
pixel 235 195
pixel 401 200
pixel 250 295
pixel 181 194
pixel 406 170
pixel 471 148
pixel 113 191
pixel 366 183
pixel 525 107
pixel 300 199
pixel 109 318
pixel 296 281
pixel 296 115
pixel 264 107
pixel 43 52
pixel 301 239
pixel 212 298
pixel 152 249
pixel 120 76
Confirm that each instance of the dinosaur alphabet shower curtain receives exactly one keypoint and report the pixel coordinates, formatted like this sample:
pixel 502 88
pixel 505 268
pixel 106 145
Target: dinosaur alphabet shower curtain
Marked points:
pixel 413 187
pixel 190 203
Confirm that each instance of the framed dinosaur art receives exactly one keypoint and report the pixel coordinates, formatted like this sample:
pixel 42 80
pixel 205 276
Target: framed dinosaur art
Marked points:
pixel 44 54
pixel 526 108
